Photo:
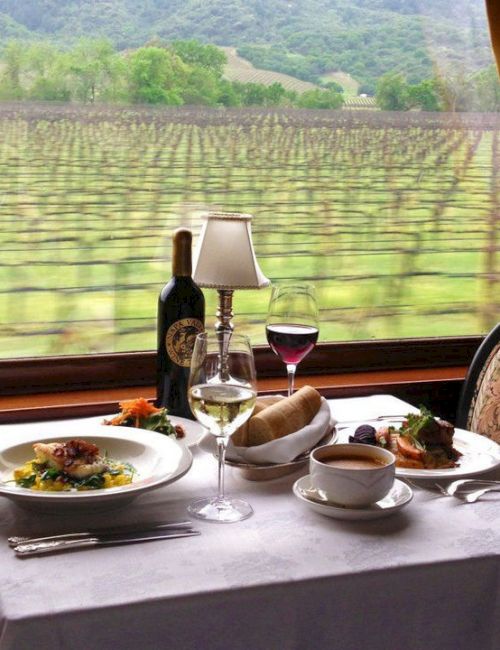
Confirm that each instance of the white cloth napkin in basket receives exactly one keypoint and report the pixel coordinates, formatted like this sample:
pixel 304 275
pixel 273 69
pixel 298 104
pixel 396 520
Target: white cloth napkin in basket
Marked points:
pixel 281 450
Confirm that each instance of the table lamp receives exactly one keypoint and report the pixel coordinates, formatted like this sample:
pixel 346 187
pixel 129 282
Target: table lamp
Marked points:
pixel 225 260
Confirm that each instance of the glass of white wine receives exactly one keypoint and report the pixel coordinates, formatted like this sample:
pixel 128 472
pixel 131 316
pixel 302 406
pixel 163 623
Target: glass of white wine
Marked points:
pixel 222 393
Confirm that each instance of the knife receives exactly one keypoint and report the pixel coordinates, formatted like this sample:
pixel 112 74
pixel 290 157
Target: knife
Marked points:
pixel 105 539
pixel 130 528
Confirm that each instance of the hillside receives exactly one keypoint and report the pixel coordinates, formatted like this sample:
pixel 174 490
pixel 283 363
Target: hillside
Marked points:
pixel 239 69
pixel 304 38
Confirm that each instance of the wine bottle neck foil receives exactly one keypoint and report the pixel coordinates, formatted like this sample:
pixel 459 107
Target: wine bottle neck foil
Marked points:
pixel 181 253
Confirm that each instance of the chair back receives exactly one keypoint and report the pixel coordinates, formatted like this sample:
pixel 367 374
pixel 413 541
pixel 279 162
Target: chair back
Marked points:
pixel 479 405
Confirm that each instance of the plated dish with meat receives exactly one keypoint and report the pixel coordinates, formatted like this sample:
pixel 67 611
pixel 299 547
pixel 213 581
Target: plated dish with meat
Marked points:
pixel 103 467
pixel 427 447
pixel 72 465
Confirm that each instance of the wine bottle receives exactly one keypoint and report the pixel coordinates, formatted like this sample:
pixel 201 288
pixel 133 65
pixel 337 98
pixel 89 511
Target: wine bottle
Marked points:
pixel 181 316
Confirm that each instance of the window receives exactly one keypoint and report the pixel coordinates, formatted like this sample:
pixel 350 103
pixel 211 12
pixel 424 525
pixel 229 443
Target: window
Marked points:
pixel 394 214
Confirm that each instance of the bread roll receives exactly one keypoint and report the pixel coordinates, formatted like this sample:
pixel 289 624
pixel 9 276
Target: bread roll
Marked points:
pixel 240 436
pixel 284 417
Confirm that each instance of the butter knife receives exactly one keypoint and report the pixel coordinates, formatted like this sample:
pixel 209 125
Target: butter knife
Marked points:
pixel 130 528
pixel 39 548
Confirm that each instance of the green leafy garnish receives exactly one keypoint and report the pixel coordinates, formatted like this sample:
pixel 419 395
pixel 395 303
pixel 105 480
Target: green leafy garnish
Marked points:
pixel 27 482
pixel 140 413
pixel 159 422
pixel 415 423
pixel 50 474
pixel 94 482
pixel 129 469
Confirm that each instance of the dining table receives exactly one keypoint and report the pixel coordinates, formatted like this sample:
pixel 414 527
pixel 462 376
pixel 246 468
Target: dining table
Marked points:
pixel 426 577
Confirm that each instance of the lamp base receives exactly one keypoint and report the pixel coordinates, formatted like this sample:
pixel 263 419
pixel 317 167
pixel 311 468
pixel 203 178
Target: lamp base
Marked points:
pixel 224 311
pixel 224 328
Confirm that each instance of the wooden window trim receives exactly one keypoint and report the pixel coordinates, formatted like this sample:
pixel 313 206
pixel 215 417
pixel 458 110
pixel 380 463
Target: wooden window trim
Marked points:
pixel 135 369
pixel 417 386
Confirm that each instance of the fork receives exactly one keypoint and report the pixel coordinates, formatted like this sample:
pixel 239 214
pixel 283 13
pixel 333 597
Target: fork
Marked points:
pixel 458 488
pixel 468 488
pixel 472 497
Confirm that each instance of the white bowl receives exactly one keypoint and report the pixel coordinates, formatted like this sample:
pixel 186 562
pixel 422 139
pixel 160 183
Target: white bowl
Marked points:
pixel 352 487
pixel 158 459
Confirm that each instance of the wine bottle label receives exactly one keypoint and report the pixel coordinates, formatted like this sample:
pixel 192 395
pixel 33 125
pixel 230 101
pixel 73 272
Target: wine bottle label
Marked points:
pixel 179 340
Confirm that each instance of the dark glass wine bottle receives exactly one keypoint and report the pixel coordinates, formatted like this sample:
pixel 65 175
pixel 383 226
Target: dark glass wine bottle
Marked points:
pixel 181 316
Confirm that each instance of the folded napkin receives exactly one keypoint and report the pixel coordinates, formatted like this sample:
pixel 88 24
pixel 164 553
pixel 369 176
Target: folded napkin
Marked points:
pixel 281 450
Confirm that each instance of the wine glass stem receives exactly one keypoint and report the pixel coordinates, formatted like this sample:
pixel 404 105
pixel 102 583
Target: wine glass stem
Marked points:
pixel 221 443
pixel 291 368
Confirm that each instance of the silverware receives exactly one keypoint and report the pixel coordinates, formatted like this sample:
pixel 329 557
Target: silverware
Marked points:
pixel 467 490
pixel 315 495
pixel 130 528
pixel 472 497
pixel 465 485
pixel 38 548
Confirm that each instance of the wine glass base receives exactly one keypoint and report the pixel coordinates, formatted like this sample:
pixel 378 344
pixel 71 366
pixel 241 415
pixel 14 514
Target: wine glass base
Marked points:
pixel 222 511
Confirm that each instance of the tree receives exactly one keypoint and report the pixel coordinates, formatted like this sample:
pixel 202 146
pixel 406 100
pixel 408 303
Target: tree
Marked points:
pixel 424 95
pixel 333 85
pixel 486 90
pixel 318 98
pixel 48 70
pixel 392 92
pixel 201 88
pixel 454 90
pixel 228 94
pixel 94 66
pixel 274 94
pixel 205 56
pixel 14 57
pixel 253 94
pixel 157 76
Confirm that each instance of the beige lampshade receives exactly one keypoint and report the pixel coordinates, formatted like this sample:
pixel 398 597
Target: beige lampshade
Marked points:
pixel 224 258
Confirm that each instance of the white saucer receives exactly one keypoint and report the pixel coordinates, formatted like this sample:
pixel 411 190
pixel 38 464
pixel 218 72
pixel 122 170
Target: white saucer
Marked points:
pixel 399 496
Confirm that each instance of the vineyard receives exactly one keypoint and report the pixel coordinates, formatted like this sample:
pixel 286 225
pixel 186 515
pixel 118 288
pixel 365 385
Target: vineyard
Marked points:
pixel 239 69
pixel 360 102
pixel 394 216
pixel 348 83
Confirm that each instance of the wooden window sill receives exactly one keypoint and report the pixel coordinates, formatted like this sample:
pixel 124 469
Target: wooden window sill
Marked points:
pixel 443 384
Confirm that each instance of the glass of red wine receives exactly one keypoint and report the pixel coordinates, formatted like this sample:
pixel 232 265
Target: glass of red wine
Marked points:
pixel 292 324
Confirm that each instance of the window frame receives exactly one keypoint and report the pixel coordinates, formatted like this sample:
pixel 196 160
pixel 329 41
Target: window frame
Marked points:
pixel 26 376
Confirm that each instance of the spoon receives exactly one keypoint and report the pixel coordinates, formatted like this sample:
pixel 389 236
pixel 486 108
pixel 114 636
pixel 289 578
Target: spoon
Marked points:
pixel 314 495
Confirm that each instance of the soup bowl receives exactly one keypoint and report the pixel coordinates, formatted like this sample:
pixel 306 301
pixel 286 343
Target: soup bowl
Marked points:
pixel 352 475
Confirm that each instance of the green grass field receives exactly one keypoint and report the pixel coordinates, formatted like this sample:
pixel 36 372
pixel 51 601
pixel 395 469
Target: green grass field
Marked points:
pixel 395 217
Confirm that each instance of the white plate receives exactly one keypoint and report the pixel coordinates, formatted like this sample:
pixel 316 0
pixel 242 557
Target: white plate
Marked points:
pixel 194 430
pixel 158 459
pixel 399 496
pixel 479 454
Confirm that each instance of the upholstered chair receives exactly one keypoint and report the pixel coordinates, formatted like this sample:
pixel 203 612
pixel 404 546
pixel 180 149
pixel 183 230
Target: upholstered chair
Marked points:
pixel 479 406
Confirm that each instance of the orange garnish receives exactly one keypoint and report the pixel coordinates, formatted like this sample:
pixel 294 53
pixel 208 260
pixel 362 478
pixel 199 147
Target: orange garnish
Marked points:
pixel 138 408
pixel 117 420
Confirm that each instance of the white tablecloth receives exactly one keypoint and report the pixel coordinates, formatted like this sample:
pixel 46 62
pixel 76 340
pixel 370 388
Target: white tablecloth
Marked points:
pixel 286 578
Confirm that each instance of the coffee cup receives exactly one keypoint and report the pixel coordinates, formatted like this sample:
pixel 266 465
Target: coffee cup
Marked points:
pixel 352 475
